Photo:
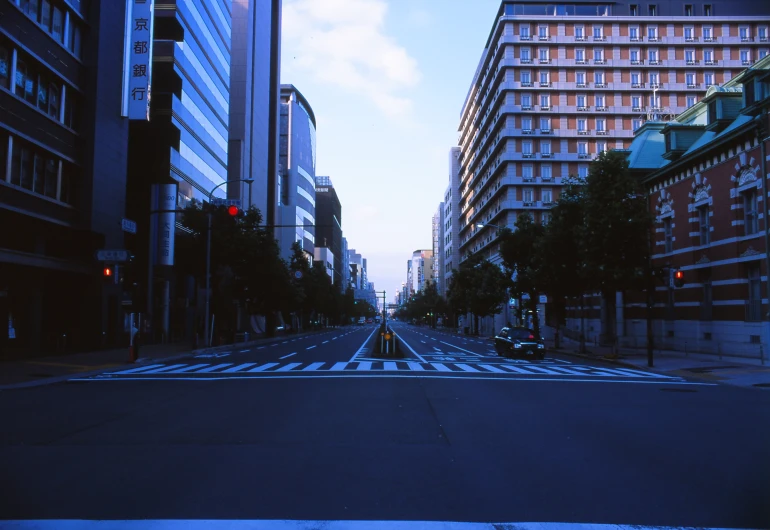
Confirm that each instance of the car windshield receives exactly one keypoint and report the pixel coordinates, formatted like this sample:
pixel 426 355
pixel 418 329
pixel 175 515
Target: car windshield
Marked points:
pixel 521 334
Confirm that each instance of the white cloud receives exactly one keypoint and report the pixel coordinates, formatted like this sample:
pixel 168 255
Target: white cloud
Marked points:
pixel 343 43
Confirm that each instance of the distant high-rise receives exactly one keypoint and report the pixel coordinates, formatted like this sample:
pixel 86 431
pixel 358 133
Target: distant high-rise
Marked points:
pixel 328 217
pixel 451 227
pixel 255 102
pixel 559 83
pixel 296 183
pixel 421 269
pixel 438 255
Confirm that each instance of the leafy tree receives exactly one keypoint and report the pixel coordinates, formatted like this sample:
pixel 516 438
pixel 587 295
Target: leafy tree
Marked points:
pixel 478 287
pixel 617 224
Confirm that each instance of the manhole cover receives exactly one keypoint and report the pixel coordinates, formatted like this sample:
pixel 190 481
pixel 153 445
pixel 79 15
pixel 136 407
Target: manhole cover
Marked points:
pixel 677 390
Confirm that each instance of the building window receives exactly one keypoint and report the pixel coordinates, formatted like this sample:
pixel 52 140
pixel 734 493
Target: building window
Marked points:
pixel 633 33
pixel 542 32
pixel 580 55
pixel 745 33
pixel 599 100
pixel 3 156
pixel 750 212
pixel 580 33
pixel 708 33
pixel 689 34
pixel 601 147
pixel 526 148
pixel 689 78
pixel 526 172
pixel 652 55
pixel 705 227
pixel 545 147
pixel 582 172
pixel 74 44
pixel 762 33
pixel 545 172
pixel 545 100
pixel 71 111
pixel 636 123
pixel 598 55
pixel 525 57
pixel 745 57
pixel 524 32
pixel 545 124
pixel 582 149
pixel 543 54
pixel 545 218
pixel 689 56
pixel 654 79
pixel 57 24
pixel 601 125
pixel 599 78
pixel 526 123
pixel 668 235
pixel 581 125
pixel 528 195
pixel 5 66
pixel 598 32
pixel 546 195
pixel 580 79
pixel 636 103
pixel 653 10
pixel 688 10
pixel 708 79
pixel 707 10
pixel 754 303
pixel 634 10
pixel 691 100
pixel 526 77
pixel 544 79
pixel 581 101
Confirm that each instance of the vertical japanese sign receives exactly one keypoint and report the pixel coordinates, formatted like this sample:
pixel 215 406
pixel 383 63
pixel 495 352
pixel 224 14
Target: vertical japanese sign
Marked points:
pixel 137 61
pixel 166 204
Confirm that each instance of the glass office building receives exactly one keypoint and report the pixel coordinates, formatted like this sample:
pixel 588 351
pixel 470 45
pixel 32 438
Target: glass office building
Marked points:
pixel 296 184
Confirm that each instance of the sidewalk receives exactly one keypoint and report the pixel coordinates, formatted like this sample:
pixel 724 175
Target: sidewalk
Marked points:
pixel 46 370
pixel 736 371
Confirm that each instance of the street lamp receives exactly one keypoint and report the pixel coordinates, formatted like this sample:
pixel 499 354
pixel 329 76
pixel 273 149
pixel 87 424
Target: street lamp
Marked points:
pixel 208 252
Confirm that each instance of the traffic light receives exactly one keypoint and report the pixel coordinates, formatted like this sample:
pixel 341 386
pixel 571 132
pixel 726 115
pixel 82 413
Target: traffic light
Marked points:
pixel 232 210
pixel 108 273
pixel 678 278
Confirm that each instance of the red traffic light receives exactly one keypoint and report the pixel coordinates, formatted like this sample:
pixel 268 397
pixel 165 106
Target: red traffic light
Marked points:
pixel 678 278
pixel 232 210
pixel 107 272
pixel 679 275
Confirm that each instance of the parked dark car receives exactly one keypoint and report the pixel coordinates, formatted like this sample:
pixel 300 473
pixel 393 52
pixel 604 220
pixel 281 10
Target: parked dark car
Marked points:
pixel 519 342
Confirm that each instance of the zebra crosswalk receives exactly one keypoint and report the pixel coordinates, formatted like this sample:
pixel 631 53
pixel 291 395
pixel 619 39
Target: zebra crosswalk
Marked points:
pixel 378 368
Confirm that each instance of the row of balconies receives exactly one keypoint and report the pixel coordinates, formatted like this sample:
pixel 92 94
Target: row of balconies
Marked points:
pixel 616 63
pixel 627 39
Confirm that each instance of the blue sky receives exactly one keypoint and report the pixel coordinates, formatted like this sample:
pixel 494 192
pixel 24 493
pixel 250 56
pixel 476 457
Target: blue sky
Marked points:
pixel 386 80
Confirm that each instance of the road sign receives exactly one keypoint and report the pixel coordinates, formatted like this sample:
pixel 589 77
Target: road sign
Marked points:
pixel 543 299
pixel 128 226
pixel 112 255
pixel 226 202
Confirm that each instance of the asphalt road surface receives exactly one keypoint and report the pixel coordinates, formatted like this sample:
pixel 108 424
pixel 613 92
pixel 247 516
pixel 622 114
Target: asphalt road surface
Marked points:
pixel 313 429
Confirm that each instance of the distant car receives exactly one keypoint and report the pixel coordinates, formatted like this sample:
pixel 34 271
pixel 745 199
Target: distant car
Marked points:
pixel 519 342
pixel 361 321
pixel 369 321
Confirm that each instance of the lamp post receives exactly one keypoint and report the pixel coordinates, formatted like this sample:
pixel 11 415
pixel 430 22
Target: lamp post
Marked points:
pixel 208 252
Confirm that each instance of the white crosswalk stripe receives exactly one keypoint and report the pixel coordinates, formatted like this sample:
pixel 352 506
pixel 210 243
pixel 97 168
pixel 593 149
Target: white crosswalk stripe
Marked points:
pixel 540 371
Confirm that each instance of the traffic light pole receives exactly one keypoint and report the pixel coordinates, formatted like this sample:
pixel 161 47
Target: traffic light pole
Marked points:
pixel 206 330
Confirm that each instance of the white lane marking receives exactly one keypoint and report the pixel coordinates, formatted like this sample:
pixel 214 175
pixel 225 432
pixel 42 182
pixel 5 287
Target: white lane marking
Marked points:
pixel 416 367
pixel 140 369
pixel 466 368
pixel 410 348
pixel 433 338
pixel 437 349
pixel 285 356
pixel 422 341
pixel 213 368
pixel 335 338
pixel 188 368
pixel 338 367
pixel 463 349
pixel 440 367
pixel 362 346
pixel 389 365
pixel 261 348
pixel 285 342
pixel 311 347
pixel 325 342
pixel 164 369
pixel 262 368
pixel 244 351
pixel 288 367
pixel 239 367
pixel 311 367
pixel 400 374
pixel 365 365
pixel 274 345
pixel 492 368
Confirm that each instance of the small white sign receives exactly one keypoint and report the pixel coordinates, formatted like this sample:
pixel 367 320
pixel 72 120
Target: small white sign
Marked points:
pixel 112 255
pixel 128 226
pixel 543 299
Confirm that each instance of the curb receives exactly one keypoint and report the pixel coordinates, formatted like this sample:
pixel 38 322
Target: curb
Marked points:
pixel 147 360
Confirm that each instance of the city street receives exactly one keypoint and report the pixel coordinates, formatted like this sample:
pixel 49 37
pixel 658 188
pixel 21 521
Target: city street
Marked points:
pixel 313 429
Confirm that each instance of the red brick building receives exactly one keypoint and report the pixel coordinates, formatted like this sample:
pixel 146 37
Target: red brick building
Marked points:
pixel 703 173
